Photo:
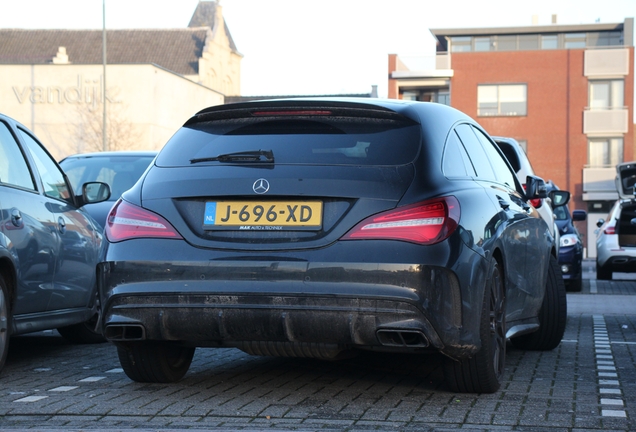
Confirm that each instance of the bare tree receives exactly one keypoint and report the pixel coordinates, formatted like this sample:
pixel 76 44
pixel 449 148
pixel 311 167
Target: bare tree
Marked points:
pixel 87 129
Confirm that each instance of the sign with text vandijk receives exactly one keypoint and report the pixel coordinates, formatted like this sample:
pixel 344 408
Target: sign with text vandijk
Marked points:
pixel 84 91
pixel 60 103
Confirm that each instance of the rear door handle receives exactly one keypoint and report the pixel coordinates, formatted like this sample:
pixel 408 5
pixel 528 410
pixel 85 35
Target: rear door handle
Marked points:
pixel 61 225
pixel 16 217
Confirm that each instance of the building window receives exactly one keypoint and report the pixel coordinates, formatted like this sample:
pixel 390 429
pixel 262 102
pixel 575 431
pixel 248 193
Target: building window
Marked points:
pixel 605 39
pixel 528 42
pixel 409 95
pixel 482 44
pixel 443 97
pixel 461 43
pixel 606 94
pixel 549 42
pixel 524 42
pixel 502 100
pixel 507 43
pixel 574 40
pixel 605 152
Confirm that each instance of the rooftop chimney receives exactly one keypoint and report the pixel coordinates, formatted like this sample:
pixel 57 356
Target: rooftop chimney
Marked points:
pixel 61 57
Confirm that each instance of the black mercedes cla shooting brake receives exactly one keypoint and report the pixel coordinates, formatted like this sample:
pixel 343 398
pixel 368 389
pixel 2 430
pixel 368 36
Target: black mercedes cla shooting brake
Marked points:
pixel 321 227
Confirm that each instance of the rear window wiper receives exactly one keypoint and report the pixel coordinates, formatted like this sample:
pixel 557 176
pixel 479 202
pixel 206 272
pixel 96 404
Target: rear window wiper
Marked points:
pixel 251 156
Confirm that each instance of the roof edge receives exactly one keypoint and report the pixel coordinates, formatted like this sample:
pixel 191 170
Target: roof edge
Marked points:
pixel 552 28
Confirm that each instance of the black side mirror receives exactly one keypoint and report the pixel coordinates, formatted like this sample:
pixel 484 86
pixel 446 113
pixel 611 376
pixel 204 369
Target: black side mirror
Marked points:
pixel 600 222
pixel 579 215
pixel 94 192
pixel 536 188
pixel 559 198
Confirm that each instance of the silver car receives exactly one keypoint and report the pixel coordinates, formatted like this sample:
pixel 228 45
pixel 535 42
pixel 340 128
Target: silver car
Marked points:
pixel 616 236
pixel 522 166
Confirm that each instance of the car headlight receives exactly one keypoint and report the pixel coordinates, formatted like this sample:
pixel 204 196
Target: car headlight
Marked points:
pixel 568 240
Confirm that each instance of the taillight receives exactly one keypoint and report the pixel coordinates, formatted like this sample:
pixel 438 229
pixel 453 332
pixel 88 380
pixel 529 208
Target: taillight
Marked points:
pixel 427 222
pixel 536 202
pixel 610 230
pixel 127 221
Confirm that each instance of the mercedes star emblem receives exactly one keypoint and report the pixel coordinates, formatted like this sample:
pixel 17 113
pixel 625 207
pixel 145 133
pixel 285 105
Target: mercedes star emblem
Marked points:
pixel 260 186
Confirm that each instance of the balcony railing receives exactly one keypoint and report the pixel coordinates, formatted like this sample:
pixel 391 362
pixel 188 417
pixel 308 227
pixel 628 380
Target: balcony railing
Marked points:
pixel 427 64
pixel 599 179
pixel 601 63
pixel 443 60
pixel 609 121
pixel 599 184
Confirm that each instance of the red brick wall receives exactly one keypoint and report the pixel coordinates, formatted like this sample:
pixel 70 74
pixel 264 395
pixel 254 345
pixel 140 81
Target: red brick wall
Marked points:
pixel 557 97
pixel 393 91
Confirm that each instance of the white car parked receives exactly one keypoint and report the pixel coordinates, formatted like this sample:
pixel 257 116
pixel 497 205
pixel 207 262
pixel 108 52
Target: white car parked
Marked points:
pixel 520 163
pixel 616 236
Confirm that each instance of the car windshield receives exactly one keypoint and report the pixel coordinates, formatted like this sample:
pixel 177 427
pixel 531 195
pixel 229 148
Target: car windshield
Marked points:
pixel 336 142
pixel 120 172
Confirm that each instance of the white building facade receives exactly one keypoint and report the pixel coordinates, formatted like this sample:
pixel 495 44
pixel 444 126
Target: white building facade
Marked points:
pixel 52 81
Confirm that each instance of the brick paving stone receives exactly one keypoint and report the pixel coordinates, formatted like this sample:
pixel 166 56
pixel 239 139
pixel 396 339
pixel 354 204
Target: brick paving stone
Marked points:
pixel 230 390
pixel 375 414
pixel 400 416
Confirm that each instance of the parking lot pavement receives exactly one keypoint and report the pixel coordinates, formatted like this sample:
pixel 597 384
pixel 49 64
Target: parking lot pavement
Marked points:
pixel 617 296
pixel 588 383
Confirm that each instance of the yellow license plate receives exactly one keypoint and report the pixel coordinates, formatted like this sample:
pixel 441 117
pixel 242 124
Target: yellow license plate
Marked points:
pixel 263 215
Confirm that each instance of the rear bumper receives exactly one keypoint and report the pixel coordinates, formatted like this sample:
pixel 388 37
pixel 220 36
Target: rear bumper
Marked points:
pixel 224 320
pixel 620 263
pixel 279 304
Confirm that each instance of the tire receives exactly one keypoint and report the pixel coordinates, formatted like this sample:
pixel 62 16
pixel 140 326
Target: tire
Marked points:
pixel 5 322
pixel 552 316
pixel 603 274
pixel 154 362
pixel 483 372
pixel 574 285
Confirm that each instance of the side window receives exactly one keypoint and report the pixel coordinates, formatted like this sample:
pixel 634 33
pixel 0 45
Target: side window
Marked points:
pixel 14 169
pixel 52 177
pixel 75 174
pixel 502 171
pixel 476 152
pixel 509 152
pixel 456 161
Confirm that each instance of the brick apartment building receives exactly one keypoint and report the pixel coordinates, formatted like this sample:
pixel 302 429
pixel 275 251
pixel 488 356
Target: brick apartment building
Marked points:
pixel 565 92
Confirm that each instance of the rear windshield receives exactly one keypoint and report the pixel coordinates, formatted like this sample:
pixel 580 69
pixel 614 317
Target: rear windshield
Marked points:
pixel 332 141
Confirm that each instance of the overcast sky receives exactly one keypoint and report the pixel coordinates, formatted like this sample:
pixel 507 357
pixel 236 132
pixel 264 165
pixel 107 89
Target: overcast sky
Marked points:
pixel 315 47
